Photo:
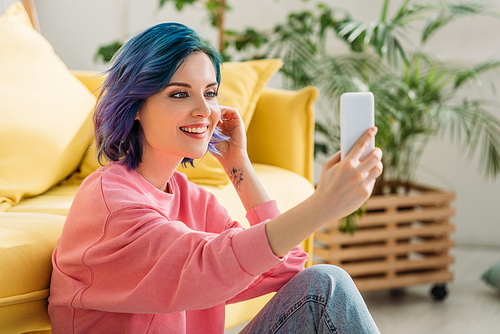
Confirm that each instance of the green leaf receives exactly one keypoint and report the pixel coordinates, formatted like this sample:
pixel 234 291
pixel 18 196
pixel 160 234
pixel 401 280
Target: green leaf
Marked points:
pixel 482 132
pixel 404 11
pixel 434 25
pixel 450 12
pixel 349 224
pixel 106 52
pixel 163 2
pixel 320 148
pixel 179 4
pixel 385 7
pixel 465 75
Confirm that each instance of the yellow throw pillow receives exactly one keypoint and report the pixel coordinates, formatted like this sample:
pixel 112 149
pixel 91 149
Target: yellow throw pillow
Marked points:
pixel 241 87
pixel 243 83
pixel 267 142
pixel 45 112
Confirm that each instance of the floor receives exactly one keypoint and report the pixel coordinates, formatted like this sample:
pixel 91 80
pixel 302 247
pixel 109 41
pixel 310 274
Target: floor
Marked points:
pixel 470 307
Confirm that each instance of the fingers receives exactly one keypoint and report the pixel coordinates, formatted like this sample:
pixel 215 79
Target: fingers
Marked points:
pixel 229 113
pixel 230 118
pixel 371 160
pixel 360 146
pixel 332 161
pixel 376 171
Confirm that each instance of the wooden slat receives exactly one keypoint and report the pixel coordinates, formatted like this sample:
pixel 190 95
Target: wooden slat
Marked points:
pixel 384 218
pixel 406 216
pixel 369 284
pixel 380 202
pixel 363 252
pixel 389 267
pixel 382 234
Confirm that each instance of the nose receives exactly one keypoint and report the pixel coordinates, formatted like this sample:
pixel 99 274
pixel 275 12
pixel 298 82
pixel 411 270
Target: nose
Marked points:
pixel 202 108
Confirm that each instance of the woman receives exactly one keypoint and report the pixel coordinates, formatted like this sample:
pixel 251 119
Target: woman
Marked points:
pixel 145 251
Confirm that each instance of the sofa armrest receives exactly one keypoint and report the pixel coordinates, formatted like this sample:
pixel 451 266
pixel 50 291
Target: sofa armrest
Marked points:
pixel 281 132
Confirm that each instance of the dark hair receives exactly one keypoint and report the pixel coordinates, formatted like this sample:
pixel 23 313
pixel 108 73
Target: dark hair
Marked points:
pixel 142 68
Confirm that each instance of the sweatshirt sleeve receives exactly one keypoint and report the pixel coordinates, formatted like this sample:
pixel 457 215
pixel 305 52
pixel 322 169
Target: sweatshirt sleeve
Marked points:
pixel 145 263
pixel 265 211
pixel 275 278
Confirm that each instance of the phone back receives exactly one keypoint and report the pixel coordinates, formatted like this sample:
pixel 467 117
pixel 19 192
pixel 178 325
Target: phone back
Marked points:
pixel 357 115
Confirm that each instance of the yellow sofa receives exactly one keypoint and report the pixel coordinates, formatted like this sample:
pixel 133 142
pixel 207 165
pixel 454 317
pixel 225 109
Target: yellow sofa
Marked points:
pixel 280 126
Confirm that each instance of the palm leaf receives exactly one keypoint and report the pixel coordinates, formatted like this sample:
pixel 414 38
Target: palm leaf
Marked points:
pixel 482 132
pixel 451 12
pixel 465 75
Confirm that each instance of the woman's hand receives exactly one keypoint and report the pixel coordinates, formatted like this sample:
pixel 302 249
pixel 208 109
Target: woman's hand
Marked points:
pixel 346 184
pixel 231 125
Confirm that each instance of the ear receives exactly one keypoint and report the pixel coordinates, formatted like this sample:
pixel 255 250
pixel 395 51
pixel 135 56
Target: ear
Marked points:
pixel 138 115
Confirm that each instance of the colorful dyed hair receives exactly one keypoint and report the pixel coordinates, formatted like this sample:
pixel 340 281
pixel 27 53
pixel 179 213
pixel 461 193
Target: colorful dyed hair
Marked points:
pixel 141 68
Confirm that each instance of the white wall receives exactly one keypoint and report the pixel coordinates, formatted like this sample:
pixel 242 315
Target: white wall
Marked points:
pixel 76 28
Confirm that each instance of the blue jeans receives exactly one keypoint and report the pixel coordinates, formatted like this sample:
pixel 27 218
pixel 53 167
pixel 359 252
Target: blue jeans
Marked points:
pixel 320 299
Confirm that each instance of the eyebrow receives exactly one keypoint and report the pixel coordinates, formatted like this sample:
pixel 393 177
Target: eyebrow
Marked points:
pixel 182 84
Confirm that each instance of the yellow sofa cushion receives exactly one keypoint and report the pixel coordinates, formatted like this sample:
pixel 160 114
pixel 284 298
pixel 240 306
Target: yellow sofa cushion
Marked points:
pixel 26 244
pixel 241 87
pixel 267 142
pixel 56 201
pixel 45 112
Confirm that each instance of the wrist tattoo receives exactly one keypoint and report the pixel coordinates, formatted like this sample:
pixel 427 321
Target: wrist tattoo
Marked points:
pixel 236 176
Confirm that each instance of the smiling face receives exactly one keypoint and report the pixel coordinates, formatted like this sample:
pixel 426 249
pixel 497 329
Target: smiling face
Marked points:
pixel 179 121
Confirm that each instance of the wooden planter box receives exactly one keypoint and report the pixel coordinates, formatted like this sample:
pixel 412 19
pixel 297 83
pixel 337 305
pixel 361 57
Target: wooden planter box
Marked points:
pixel 402 240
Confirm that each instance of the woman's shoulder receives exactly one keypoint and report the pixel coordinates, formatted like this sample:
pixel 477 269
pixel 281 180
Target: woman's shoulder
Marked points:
pixel 120 188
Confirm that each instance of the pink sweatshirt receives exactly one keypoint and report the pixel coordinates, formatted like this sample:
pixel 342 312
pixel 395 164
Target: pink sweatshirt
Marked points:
pixel 134 259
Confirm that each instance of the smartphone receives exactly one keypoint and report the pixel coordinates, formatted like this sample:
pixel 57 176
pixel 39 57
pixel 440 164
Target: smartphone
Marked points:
pixel 357 114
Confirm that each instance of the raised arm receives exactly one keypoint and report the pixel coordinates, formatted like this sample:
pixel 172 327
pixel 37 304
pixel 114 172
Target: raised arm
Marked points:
pixel 235 161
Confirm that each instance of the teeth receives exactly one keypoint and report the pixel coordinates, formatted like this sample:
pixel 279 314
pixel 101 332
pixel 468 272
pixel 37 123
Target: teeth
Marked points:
pixel 194 130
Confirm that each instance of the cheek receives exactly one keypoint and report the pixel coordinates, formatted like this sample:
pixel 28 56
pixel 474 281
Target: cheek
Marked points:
pixel 216 113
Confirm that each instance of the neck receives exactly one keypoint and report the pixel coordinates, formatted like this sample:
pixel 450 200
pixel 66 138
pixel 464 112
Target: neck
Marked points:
pixel 157 169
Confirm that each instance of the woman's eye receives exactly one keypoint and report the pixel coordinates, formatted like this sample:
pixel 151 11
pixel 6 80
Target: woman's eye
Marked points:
pixel 211 94
pixel 179 95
